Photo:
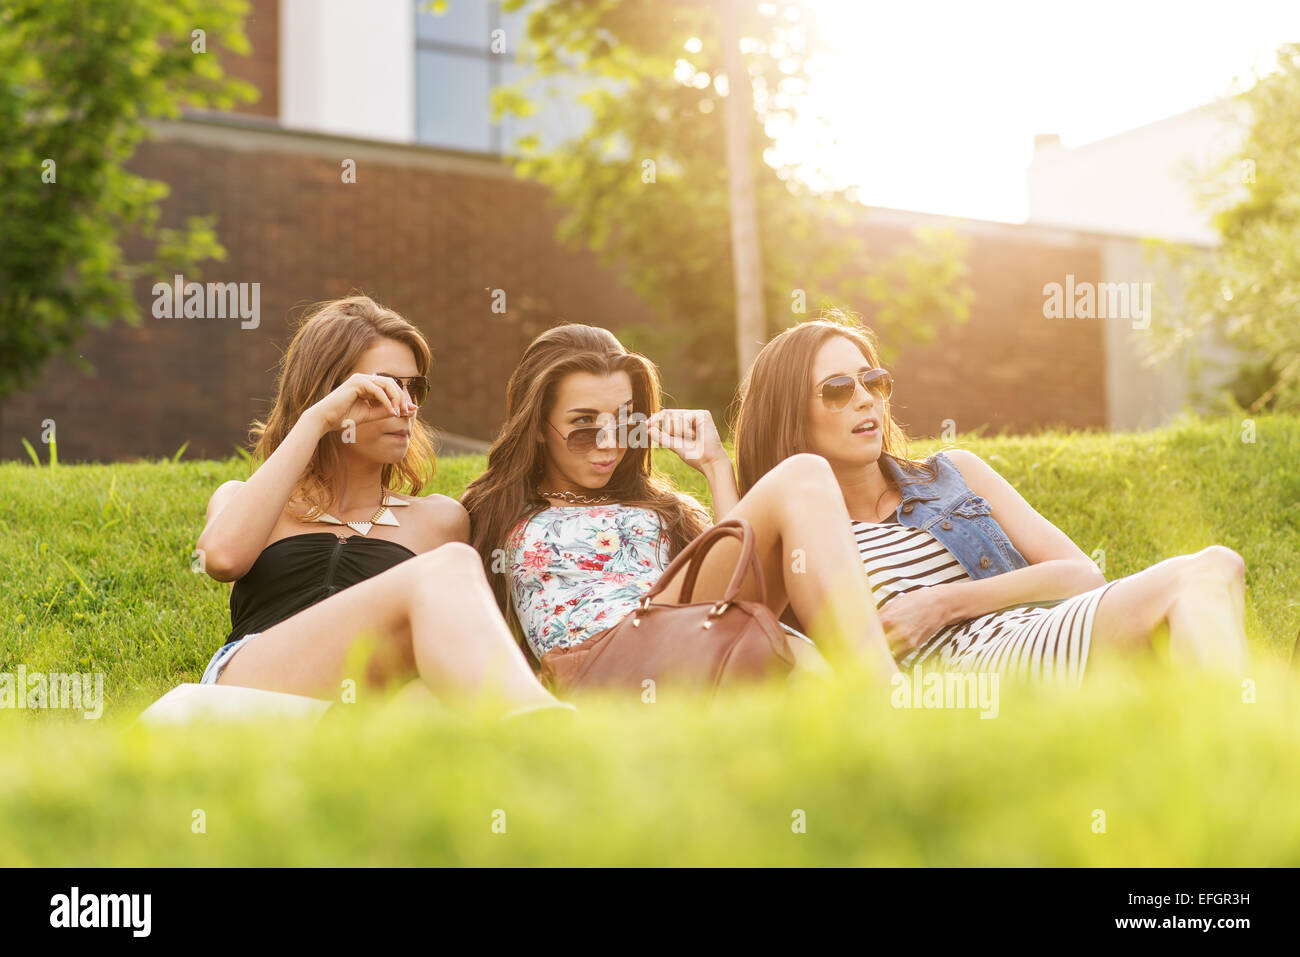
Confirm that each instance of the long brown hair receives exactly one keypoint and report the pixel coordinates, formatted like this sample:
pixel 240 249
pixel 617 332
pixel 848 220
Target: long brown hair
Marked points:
pixel 772 418
pixel 506 493
pixel 330 340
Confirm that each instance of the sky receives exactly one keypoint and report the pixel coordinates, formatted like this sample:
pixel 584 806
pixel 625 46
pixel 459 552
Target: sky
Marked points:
pixel 932 105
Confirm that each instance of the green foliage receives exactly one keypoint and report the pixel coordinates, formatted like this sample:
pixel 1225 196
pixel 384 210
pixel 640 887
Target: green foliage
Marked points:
pixel 1248 291
pixel 78 84
pixel 657 113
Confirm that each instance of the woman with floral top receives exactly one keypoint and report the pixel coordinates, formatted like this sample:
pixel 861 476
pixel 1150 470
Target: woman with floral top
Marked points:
pixel 574 525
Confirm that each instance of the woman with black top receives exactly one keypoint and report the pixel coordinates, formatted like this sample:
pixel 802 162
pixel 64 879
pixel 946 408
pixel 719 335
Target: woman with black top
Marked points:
pixel 326 553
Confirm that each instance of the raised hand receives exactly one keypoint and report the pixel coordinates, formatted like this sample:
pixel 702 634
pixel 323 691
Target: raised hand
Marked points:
pixel 363 398
pixel 690 433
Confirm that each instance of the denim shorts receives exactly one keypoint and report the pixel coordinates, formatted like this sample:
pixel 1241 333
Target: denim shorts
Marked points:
pixel 222 658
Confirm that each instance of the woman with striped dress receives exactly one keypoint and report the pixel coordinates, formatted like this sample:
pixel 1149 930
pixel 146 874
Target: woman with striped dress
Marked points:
pixel 965 573
pixel 1040 643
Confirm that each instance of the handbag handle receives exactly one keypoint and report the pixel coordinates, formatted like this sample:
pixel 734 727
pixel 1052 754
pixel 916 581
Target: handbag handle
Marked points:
pixel 695 552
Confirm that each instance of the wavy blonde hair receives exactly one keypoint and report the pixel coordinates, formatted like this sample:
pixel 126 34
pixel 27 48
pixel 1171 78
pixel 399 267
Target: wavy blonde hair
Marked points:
pixel 329 341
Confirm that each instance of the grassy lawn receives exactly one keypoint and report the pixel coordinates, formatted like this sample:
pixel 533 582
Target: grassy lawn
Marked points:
pixel 95 577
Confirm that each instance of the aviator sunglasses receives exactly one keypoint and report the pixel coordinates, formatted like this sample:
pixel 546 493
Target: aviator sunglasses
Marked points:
pixel 416 386
pixel 585 437
pixel 837 392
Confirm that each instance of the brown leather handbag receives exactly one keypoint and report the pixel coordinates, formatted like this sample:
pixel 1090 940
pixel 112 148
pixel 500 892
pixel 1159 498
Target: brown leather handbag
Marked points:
pixel 701 646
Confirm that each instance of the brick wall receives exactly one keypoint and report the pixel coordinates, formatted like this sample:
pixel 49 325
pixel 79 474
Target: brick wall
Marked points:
pixel 262 67
pixel 1008 368
pixel 431 234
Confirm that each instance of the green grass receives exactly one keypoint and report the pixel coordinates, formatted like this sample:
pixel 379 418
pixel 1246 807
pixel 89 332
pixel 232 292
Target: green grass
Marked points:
pixel 95 577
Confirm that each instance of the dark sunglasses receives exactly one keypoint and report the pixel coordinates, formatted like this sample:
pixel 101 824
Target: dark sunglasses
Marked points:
pixel 837 392
pixel 585 437
pixel 416 386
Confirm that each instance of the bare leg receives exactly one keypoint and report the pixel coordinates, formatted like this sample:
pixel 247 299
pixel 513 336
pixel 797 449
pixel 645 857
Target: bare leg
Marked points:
pixel 1200 598
pixel 432 616
pixel 810 561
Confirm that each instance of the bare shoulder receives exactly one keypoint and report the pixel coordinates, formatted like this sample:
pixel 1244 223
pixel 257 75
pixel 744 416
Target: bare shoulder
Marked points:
pixel 965 459
pixel 982 478
pixel 1029 531
pixel 440 519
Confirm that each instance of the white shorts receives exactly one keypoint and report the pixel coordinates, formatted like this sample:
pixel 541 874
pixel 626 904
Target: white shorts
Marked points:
pixel 222 658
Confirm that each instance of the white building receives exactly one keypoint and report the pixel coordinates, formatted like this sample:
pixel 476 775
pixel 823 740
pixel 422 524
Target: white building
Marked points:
pixel 1147 183
pixel 394 70
pixel 1142 182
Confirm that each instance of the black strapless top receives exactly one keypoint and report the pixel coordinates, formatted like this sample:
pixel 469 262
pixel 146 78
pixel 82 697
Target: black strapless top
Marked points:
pixel 296 572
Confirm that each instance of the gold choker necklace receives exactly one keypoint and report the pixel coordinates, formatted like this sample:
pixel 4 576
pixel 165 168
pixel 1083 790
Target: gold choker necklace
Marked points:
pixel 573 498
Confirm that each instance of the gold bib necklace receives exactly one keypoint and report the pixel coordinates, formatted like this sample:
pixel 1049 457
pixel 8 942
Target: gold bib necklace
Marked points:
pixel 382 516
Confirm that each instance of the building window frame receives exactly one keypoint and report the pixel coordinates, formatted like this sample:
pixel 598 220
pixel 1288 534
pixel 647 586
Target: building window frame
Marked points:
pixel 454 48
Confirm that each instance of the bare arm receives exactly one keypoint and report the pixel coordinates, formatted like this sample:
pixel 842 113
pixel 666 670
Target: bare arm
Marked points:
pixel 693 436
pixel 722 486
pixel 242 515
pixel 1058 568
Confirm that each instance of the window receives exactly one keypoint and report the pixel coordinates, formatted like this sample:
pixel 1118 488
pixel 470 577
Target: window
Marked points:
pixel 456 71
pixel 452 101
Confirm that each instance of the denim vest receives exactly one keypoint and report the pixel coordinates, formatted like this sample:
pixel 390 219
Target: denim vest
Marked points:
pixel 961 521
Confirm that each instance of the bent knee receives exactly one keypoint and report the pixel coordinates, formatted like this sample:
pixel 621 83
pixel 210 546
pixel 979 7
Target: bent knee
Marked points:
pixel 453 559
pixel 804 469
pixel 456 553
pixel 1215 561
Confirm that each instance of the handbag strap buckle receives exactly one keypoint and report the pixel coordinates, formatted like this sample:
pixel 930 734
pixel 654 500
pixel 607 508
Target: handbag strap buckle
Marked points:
pixel 714 612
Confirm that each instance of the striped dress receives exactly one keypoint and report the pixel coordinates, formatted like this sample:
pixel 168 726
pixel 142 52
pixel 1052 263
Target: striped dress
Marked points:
pixel 1040 643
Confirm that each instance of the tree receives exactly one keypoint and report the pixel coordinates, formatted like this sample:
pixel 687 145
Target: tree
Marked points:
pixel 78 83
pixel 1248 290
pixel 746 255
pixel 646 185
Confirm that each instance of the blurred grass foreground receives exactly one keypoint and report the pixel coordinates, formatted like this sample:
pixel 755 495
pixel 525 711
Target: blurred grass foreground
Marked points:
pixel 1143 768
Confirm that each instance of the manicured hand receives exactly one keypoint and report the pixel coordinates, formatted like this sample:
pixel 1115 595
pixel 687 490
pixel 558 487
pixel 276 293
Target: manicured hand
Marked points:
pixel 363 398
pixel 688 432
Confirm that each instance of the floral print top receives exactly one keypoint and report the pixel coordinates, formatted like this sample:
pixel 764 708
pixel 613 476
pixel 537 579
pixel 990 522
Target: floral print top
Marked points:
pixel 577 571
